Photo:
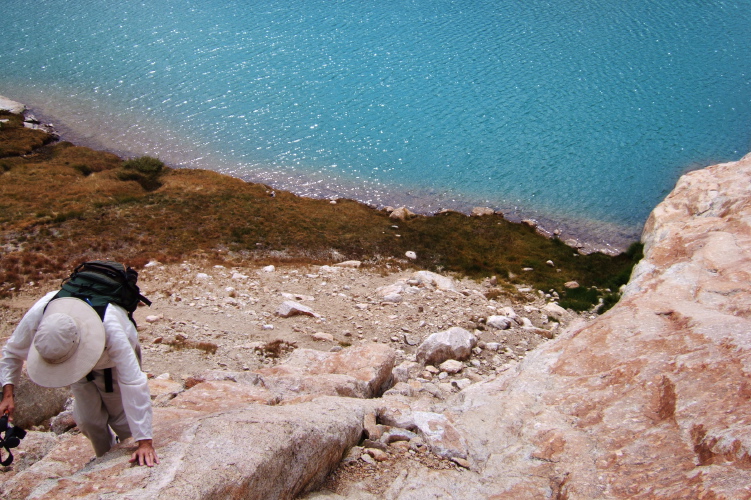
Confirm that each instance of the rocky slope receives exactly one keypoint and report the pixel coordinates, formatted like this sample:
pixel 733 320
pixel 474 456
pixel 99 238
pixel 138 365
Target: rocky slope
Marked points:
pixel 650 400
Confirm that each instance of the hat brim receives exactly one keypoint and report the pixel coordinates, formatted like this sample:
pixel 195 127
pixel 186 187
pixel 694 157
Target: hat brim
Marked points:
pixel 90 347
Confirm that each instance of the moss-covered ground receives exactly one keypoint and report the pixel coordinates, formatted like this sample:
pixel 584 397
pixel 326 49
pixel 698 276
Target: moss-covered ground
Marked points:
pixel 61 204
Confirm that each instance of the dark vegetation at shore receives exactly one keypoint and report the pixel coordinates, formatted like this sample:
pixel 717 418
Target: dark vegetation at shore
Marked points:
pixel 61 204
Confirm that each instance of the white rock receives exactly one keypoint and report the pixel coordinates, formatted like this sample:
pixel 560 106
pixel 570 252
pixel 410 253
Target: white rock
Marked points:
pixel 269 269
pixel 163 376
pixel 239 276
pixel 499 322
pixel 454 343
pixel 153 263
pixel 154 318
pixel 393 298
pixel 12 106
pixel 555 311
pixel 401 213
pixel 349 263
pixel 411 255
pixel 323 337
pixel 451 366
pixel 397 287
pixel 202 276
pixel 291 308
pixel 427 278
pixel 480 211
pixel 508 311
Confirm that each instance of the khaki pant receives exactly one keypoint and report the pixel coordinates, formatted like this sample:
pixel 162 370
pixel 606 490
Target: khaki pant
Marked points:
pixel 97 413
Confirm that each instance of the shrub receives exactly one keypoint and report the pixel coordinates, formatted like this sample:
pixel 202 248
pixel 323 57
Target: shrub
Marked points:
pixel 145 170
pixel 84 169
pixel 145 165
pixel 579 299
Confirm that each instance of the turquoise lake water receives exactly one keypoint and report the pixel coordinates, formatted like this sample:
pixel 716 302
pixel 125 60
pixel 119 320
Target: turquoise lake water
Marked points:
pixel 580 113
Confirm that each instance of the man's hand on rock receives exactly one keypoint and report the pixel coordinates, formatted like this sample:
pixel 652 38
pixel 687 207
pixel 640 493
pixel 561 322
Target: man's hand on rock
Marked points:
pixel 7 405
pixel 145 454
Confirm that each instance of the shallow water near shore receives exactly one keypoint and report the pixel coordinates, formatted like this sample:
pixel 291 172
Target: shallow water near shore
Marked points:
pixel 582 116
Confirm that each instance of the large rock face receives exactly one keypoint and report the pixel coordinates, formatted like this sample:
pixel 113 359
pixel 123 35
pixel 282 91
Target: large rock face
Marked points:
pixel 252 452
pixel 653 399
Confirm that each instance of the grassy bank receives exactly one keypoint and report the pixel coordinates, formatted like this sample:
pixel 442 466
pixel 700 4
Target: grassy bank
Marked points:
pixel 61 204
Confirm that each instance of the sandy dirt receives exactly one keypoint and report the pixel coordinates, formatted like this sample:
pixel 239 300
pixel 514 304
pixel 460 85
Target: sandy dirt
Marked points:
pixel 211 317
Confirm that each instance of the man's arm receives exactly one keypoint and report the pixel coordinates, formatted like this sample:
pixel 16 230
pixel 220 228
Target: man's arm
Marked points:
pixel 7 405
pixel 134 387
pixel 16 350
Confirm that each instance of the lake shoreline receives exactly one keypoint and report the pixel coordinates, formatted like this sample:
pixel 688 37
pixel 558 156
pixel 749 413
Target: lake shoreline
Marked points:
pixel 586 236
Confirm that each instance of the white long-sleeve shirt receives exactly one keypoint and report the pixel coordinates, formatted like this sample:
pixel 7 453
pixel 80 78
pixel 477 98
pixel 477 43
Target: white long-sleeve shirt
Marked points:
pixel 121 340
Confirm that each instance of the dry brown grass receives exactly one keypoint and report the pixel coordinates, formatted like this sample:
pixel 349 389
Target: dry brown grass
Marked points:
pixel 16 140
pixel 63 204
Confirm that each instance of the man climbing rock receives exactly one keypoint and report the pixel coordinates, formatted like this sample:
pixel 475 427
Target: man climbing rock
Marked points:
pixel 71 340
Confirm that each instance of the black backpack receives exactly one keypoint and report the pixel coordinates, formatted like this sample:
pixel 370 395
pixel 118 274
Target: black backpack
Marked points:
pixel 100 282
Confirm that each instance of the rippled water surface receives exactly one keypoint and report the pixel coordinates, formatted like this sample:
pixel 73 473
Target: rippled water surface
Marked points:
pixel 580 113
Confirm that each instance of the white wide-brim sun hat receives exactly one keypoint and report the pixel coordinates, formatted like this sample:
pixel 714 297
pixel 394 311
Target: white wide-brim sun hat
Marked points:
pixel 68 343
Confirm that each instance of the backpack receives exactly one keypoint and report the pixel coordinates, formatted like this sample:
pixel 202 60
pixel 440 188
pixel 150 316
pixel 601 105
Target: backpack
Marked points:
pixel 100 282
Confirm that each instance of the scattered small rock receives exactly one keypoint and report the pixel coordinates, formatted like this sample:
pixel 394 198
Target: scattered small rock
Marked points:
pixel 402 213
pixel 452 366
pixel 480 211
pixel 353 264
pixel 291 308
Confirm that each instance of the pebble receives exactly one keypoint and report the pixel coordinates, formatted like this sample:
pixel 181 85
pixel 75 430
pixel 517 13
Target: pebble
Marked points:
pixel 451 366
pixel 499 322
pixel 378 455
